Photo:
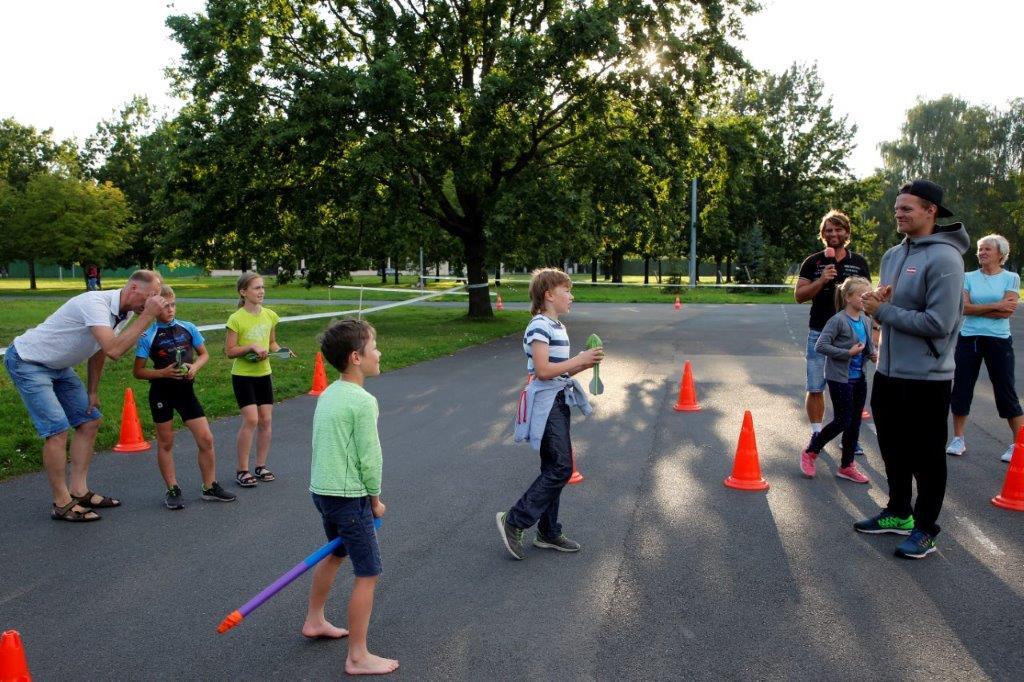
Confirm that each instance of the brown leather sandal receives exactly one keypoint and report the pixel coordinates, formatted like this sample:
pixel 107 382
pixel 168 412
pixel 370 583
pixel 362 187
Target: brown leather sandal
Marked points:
pixel 69 513
pixel 105 502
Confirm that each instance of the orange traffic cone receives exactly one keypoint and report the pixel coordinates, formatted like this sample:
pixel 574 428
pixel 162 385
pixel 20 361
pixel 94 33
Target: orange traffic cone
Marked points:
pixel 677 305
pixel 500 305
pixel 687 401
pixel 746 471
pixel 13 665
pixel 131 439
pixel 576 477
pixel 319 376
pixel 1012 496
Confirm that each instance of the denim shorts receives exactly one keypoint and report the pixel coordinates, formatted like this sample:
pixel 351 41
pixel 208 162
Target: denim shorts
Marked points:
pixel 56 399
pixel 350 519
pixel 815 364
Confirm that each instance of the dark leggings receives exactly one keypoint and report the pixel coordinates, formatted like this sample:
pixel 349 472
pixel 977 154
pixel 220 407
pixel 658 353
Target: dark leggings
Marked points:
pixel 997 355
pixel 847 408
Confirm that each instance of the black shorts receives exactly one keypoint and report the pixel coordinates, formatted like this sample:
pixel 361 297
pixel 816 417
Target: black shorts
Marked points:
pixel 253 390
pixel 166 397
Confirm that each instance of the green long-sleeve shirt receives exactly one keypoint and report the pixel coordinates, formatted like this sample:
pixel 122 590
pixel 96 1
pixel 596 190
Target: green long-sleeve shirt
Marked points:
pixel 347 458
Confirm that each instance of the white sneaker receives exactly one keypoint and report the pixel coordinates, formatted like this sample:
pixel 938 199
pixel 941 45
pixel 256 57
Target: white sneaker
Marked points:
pixel 1008 455
pixel 956 446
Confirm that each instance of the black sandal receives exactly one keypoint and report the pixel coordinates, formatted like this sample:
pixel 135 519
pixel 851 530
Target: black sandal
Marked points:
pixel 105 502
pixel 265 474
pixel 68 513
pixel 245 479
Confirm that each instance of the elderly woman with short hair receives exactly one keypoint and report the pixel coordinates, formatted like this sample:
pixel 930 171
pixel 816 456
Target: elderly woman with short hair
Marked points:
pixel 990 298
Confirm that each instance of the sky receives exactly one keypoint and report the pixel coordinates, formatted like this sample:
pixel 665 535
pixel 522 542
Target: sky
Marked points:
pixel 67 64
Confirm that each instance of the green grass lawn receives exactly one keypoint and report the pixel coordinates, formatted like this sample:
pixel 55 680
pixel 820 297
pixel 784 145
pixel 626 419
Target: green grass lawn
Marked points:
pixel 208 287
pixel 405 336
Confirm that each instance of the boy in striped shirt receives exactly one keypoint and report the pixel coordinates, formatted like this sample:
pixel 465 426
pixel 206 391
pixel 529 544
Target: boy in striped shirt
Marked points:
pixel 545 423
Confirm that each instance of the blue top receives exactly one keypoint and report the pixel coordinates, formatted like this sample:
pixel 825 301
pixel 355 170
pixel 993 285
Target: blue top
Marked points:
pixel 984 289
pixel 857 361
pixel 162 341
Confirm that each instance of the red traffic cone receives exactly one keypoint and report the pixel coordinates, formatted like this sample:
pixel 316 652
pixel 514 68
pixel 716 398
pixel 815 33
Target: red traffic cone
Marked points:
pixel 1012 496
pixel 319 375
pixel 687 401
pixel 131 439
pixel 500 305
pixel 13 664
pixel 677 305
pixel 576 477
pixel 746 470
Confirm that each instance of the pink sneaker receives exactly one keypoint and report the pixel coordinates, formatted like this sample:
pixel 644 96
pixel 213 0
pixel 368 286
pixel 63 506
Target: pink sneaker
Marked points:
pixel 807 463
pixel 851 473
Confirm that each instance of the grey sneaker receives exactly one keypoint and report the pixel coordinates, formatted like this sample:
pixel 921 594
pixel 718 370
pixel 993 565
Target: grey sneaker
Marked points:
pixel 561 543
pixel 172 500
pixel 956 446
pixel 215 493
pixel 511 536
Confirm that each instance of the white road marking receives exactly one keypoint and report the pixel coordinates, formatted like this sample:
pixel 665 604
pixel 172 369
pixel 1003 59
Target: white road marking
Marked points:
pixel 982 539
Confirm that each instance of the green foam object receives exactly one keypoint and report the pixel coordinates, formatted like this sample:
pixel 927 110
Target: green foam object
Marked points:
pixel 596 386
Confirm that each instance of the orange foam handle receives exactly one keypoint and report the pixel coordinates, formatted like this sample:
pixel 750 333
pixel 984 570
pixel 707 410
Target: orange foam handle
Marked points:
pixel 230 621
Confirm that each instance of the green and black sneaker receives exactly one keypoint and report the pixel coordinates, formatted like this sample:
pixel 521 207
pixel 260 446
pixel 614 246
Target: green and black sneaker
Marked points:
pixel 511 536
pixel 172 500
pixel 561 543
pixel 885 523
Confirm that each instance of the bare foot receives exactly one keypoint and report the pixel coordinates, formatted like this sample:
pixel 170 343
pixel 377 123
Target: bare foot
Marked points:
pixel 370 665
pixel 323 630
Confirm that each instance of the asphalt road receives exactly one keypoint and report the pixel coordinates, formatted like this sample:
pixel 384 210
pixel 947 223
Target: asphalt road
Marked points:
pixel 679 577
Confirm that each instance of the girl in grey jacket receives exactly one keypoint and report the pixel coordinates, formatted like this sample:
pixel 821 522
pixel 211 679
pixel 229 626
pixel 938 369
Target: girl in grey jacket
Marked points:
pixel 845 342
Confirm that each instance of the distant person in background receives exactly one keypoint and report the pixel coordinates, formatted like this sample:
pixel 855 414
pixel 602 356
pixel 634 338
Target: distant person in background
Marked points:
pixel 3 272
pixel 92 277
pixel 990 298
pixel 41 362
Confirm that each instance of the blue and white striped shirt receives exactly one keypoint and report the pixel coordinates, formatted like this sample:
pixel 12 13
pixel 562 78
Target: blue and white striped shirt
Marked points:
pixel 546 330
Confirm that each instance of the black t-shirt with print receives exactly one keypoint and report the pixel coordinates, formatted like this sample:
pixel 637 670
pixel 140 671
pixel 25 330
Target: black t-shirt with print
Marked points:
pixel 823 305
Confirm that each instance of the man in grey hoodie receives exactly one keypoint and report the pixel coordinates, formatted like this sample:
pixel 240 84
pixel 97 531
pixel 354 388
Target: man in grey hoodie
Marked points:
pixel 919 303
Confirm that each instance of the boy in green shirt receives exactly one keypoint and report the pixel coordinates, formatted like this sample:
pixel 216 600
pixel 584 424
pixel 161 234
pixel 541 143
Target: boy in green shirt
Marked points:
pixel 345 478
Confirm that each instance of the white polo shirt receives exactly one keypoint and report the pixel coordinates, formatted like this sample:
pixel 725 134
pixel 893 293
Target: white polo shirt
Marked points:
pixel 64 339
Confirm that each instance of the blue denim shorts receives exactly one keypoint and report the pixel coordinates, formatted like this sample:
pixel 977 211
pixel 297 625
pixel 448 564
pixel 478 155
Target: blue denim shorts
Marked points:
pixel 815 365
pixel 351 519
pixel 56 399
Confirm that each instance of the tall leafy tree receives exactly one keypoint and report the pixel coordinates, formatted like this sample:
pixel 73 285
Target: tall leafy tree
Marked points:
pixel 458 105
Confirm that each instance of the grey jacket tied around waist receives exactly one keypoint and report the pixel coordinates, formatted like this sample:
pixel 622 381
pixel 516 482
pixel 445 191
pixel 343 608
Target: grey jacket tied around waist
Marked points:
pixel 535 406
pixel 921 319
pixel 836 340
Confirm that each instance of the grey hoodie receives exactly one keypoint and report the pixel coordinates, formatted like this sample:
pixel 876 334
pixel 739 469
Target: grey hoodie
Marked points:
pixel 921 319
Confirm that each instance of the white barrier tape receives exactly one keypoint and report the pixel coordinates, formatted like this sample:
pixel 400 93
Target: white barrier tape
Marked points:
pixel 363 311
pixel 316 316
pixel 632 284
pixel 401 291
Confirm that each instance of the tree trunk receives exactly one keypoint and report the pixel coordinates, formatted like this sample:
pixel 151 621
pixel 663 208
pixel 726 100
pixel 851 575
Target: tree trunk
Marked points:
pixel 383 267
pixel 617 258
pixel 728 269
pixel 395 262
pixel 647 269
pixel 659 271
pixel 497 275
pixel 593 269
pixel 718 269
pixel 31 273
pixel 475 249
